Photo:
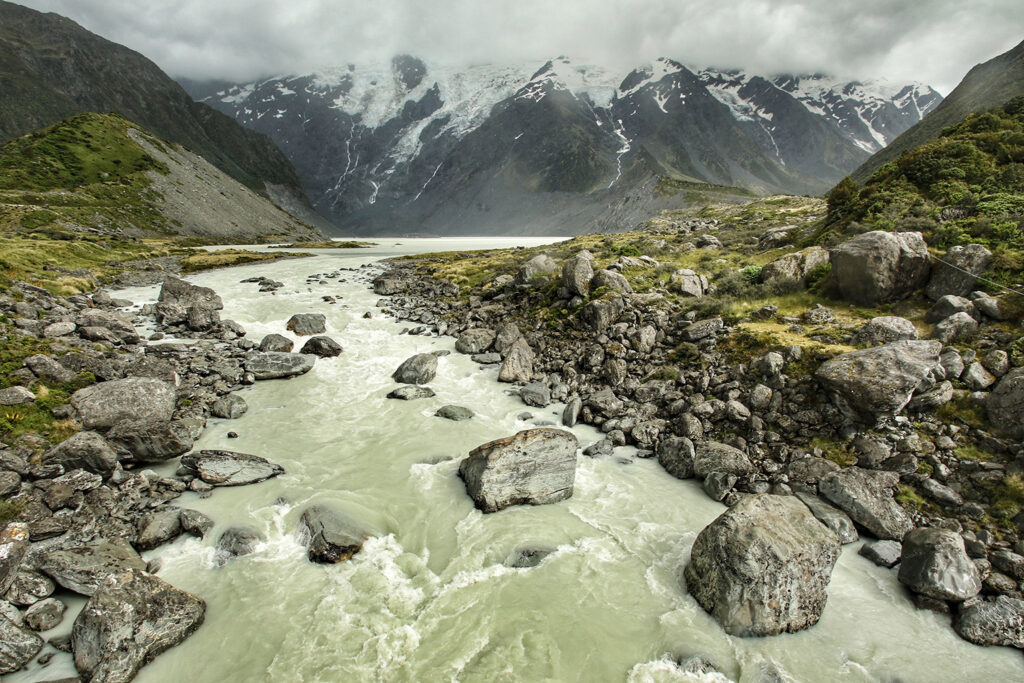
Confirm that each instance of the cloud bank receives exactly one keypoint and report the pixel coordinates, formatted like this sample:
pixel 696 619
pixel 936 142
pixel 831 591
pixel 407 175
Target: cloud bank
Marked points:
pixel 932 41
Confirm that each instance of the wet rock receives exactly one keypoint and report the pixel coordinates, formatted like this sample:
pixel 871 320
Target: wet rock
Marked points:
pixel 999 622
pixel 16 396
pixel 1005 406
pixel 527 558
pixel 866 496
pixel 475 340
pixel 17 646
pixel 81 569
pixel 278 365
pixel 718 484
pixel 230 407
pixel 45 614
pixel 131 619
pixel 1009 563
pixel 322 346
pixel 411 393
pixel 600 448
pixel 332 536
pixel 85 450
pixel 535 467
pixel 880 266
pixel 518 364
pixel 276 342
pixel 571 413
pixel 711 456
pixel 158 528
pixel 305 324
pixel 237 541
pixel 486 358
pixel 883 553
pixel 134 398
pixel 949 276
pixel 872 383
pixel 14 542
pixel 418 369
pixel 835 519
pixel 676 454
pixel 535 394
pixel 29 587
pixel 150 441
pixel 179 298
pixel 763 566
pixel 229 468
pixel 454 413
pixel 194 522
pixel 935 564
pixel 884 329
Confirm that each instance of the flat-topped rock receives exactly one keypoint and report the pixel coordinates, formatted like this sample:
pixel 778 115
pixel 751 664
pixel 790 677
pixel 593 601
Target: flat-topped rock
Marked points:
pixel 332 535
pixel 279 365
pixel 81 569
pixel 103 405
pixel 534 467
pixel 229 468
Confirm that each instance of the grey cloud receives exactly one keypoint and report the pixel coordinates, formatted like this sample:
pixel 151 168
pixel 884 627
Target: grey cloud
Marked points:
pixel 933 41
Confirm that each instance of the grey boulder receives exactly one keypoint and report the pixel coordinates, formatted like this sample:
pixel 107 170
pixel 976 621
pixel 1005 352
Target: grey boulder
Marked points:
pixel 411 393
pixel 676 454
pixel 958 270
pixel 539 265
pixel 330 535
pixel 935 564
pixel 178 299
pixel 17 646
pixel 866 496
pixel 577 272
pixel 16 396
pixel 237 541
pixel 869 384
pixel 883 553
pixel 278 365
pixel 158 528
pixel 763 566
pixel 454 413
pixel 534 467
pixel 834 518
pixel 229 468
pixel 230 407
pixel 276 342
pixel 518 364
pixel 418 369
pixel 712 456
pixel 81 569
pixel 885 329
pixel 1005 405
pixel 131 619
pixel 880 266
pixel 45 614
pixel 150 441
pixel 322 346
pixel 305 324
pixel 475 340
pixel 1000 622
pixel 103 405
pixel 85 450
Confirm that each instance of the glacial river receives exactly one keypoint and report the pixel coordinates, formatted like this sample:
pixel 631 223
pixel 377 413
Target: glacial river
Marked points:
pixel 429 598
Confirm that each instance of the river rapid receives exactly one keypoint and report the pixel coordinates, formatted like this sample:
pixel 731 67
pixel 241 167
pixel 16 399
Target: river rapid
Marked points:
pixel 429 598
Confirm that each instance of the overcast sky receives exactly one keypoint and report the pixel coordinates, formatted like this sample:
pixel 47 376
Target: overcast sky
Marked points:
pixel 932 41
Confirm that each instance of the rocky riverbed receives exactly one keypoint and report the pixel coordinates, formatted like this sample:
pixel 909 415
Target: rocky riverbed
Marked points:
pixel 199 466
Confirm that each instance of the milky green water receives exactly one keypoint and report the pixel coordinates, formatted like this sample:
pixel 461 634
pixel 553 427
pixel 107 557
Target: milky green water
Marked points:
pixel 429 598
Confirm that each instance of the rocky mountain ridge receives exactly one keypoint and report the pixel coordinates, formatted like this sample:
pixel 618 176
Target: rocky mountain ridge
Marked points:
pixel 561 148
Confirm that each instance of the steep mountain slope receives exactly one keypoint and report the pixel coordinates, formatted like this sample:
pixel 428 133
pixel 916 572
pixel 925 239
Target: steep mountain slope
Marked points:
pixel 51 68
pixel 986 85
pixel 100 173
pixel 562 148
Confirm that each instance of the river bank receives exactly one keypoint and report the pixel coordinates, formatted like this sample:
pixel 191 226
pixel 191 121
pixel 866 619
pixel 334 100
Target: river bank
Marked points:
pixel 431 597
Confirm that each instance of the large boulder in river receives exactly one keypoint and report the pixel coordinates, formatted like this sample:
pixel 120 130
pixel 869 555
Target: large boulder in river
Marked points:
pixel 935 563
pixel 276 342
pixel 82 568
pixel 1005 405
pixel 880 266
pixel 534 467
pixel 150 441
pixel 958 271
pixel 418 369
pixel 866 496
pixel 85 450
pixel 305 324
pixel 131 619
pixel 17 646
pixel 105 404
pixel 322 346
pixel 229 468
pixel 279 365
pixel 178 299
pixel 763 566
pixel 237 541
pixel 1000 622
pixel 332 536
pixel 518 364
pixel 869 384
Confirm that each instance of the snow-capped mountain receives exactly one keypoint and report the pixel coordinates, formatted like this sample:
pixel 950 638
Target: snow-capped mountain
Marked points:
pixel 413 146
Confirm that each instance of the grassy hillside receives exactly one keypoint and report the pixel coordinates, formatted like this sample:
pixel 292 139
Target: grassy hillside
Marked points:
pixel 965 186
pixel 985 86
